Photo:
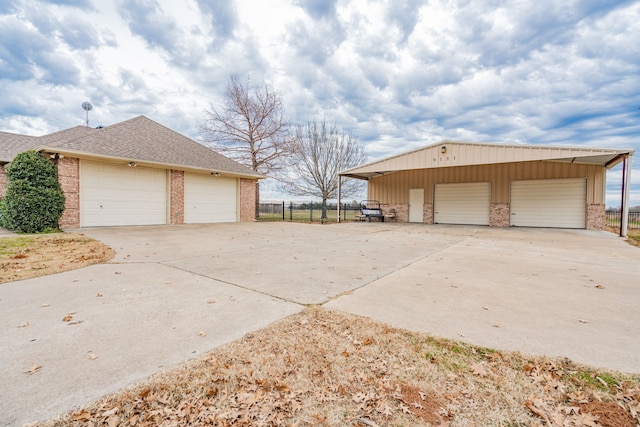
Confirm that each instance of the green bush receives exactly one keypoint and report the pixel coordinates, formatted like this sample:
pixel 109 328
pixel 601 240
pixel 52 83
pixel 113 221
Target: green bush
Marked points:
pixel 34 201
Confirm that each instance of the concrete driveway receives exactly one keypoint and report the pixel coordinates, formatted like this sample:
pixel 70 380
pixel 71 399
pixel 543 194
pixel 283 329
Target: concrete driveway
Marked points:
pixel 175 292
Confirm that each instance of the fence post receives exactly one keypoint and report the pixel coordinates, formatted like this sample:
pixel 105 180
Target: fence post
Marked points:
pixel 283 210
pixel 290 210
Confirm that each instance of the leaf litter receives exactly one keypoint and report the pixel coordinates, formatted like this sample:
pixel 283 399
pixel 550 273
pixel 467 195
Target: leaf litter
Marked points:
pixel 326 368
pixel 24 257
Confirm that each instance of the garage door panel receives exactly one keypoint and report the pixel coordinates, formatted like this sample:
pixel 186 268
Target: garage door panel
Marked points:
pixel 462 203
pixel 209 199
pixel 557 203
pixel 120 195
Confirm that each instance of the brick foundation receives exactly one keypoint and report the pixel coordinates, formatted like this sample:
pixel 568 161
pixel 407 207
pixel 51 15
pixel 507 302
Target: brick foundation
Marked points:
pixel 248 200
pixel 499 215
pixel 402 211
pixel 176 194
pixel 69 177
pixel 595 217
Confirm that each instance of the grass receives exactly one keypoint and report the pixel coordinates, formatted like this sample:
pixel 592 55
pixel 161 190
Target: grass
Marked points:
pixel 633 235
pixel 10 246
pixel 326 368
pixel 304 215
pixel 24 257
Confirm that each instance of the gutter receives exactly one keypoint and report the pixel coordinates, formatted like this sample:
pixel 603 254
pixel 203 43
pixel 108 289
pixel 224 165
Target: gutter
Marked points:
pixel 142 162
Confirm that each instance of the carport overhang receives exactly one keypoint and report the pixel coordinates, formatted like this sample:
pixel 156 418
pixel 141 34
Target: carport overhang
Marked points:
pixel 455 154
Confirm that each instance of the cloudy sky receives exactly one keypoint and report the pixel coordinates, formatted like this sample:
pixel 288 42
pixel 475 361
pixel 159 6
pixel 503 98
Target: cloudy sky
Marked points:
pixel 399 74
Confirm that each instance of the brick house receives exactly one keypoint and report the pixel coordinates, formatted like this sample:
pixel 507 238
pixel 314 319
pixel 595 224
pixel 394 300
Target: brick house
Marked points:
pixel 139 172
pixel 497 185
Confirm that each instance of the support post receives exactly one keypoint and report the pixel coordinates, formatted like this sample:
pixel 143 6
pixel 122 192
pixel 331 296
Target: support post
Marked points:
pixel 626 185
pixel 339 191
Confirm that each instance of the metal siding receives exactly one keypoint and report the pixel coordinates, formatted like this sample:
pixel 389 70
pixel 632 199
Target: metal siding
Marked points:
pixel 549 203
pixel 114 195
pixel 463 203
pixel 394 188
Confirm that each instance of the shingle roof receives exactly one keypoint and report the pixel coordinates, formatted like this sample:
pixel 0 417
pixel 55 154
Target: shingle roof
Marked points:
pixel 12 144
pixel 139 139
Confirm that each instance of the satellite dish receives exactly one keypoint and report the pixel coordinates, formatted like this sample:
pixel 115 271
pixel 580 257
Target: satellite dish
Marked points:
pixel 86 106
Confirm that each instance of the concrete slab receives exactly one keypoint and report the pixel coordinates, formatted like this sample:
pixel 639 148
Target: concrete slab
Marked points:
pixel 560 293
pixel 553 292
pixel 137 318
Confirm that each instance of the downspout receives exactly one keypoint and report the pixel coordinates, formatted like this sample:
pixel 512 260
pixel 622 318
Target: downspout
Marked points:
pixel 626 186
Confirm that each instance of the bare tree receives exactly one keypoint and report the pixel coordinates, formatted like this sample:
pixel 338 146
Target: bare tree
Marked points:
pixel 323 151
pixel 250 127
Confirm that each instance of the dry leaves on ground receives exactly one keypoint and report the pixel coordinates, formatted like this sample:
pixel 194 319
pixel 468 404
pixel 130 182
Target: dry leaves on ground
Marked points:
pixel 24 257
pixel 323 368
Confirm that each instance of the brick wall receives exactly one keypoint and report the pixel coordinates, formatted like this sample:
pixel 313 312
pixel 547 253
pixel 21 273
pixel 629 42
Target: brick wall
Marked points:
pixel 499 215
pixel 248 200
pixel 402 211
pixel 595 217
pixel 176 209
pixel 427 213
pixel 69 177
pixel 3 181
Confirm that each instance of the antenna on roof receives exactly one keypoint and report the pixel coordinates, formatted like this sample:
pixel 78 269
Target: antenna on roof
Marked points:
pixel 86 106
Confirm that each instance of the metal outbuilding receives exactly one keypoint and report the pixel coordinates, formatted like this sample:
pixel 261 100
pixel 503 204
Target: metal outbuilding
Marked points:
pixel 454 182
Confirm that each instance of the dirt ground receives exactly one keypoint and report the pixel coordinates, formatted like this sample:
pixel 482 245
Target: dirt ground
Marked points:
pixel 24 257
pixel 327 368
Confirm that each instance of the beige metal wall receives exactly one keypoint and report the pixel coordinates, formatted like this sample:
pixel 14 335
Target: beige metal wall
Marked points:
pixel 394 188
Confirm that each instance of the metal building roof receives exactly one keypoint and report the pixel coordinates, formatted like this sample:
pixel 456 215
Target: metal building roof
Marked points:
pixel 456 153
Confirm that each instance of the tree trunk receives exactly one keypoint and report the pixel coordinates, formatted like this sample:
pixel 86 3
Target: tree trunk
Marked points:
pixel 324 209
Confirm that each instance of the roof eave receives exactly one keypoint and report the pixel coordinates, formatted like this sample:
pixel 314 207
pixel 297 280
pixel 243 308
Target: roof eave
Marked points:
pixel 141 162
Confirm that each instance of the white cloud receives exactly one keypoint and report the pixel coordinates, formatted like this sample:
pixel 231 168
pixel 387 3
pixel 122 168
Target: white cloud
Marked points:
pixel 398 73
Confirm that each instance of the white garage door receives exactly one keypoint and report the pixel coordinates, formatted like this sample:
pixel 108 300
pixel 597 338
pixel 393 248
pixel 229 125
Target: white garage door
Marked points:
pixel 466 203
pixel 209 199
pixel 122 195
pixel 549 203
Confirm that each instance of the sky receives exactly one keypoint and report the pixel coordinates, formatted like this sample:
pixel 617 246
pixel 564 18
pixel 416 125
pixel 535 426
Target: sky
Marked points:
pixel 398 74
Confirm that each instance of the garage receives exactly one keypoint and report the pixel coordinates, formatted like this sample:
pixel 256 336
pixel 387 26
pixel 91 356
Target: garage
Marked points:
pixel 552 203
pixel 462 203
pixel 209 199
pixel 112 194
pixel 499 185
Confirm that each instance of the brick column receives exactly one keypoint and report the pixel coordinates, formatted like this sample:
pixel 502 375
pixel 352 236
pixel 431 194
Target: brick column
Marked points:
pixel 3 181
pixel 427 212
pixel 176 209
pixel 69 177
pixel 595 217
pixel 248 200
pixel 499 215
